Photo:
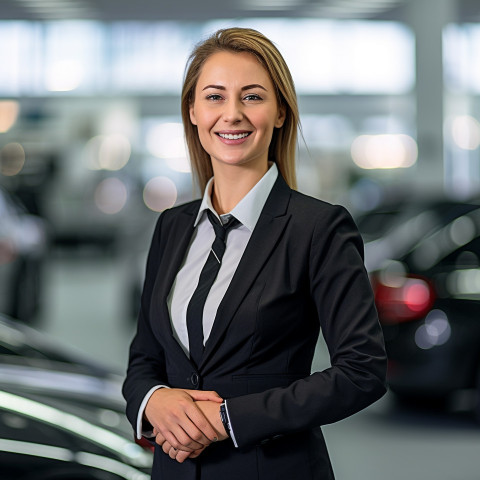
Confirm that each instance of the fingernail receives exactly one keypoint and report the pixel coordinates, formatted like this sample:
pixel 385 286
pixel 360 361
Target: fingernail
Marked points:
pixel 215 439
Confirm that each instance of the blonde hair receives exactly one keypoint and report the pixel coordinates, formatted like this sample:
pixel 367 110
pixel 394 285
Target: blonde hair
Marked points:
pixel 283 146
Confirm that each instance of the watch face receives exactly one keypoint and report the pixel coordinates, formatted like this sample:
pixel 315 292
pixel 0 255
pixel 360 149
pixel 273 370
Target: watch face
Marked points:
pixel 224 418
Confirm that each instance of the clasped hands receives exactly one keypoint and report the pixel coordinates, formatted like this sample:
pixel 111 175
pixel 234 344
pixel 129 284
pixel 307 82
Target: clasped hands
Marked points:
pixel 185 421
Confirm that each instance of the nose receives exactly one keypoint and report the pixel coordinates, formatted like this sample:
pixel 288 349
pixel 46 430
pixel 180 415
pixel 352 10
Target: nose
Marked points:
pixel 233 111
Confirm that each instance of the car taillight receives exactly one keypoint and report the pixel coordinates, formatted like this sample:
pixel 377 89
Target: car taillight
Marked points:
pixel 403 298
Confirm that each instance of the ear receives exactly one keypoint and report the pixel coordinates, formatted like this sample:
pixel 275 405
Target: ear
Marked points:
pixel 281 115
pixel 192 114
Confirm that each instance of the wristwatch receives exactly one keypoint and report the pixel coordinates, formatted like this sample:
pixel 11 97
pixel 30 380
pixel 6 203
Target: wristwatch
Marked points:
pixel 224 418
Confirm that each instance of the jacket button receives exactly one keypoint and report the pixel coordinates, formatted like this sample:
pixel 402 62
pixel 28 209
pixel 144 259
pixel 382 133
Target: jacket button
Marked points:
pixel 194 379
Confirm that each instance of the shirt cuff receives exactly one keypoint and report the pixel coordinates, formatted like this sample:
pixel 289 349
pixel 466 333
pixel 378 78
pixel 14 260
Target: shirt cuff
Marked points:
pixel 139 431
pixel 232 435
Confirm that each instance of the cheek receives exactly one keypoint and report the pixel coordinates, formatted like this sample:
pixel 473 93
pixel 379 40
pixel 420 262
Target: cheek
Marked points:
pixel 265 122
pixel 204 137
pixel 205 124
pixel 205 118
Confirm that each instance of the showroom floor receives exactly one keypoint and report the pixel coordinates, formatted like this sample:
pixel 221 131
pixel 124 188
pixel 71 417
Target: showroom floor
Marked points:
pixel 86 307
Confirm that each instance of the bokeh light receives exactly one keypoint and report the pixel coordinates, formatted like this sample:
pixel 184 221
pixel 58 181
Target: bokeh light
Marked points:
pixel 417 295
pixel 465 281
pixel 434 332
pixel 9 110
pixel 114 152
pixel 181 164
pixel 64 76
pixel 107 152
pixel 394 274
pixel 111 195
pixel 385 151
pixel 167 141
pixel 160 193
pixel 12 159
pixel 466 132
pixel 462 230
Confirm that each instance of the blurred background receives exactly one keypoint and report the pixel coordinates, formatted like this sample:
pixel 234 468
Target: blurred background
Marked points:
pixel 92 149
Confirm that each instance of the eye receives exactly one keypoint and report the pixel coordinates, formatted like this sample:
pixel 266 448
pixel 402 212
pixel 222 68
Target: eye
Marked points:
pixel 215 97
pixel 252 97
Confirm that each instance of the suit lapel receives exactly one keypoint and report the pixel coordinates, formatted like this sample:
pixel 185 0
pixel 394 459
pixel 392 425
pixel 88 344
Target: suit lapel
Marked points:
pixel 265 237
pixel 179 235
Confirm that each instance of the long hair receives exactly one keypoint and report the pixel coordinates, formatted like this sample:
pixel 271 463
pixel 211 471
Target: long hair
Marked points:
pixel 282 149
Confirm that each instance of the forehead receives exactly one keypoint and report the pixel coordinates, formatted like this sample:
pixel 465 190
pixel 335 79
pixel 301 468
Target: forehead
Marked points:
pixel 232 66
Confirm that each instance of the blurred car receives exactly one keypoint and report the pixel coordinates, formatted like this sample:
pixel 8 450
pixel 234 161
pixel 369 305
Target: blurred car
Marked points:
pixel 21 345
pixel 62 416
pixel 48 436
pixel 425 272
pixel 23 245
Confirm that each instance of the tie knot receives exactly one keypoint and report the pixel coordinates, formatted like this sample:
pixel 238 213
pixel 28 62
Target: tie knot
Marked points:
pixel 221 230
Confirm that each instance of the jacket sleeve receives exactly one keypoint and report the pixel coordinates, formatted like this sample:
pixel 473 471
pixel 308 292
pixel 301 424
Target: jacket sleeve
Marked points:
pixel 146 367
pixel 343 297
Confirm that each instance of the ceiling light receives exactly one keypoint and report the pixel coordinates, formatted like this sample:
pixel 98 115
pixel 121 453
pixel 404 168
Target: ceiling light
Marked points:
pixel 64 76
pixel 272 4
pixel 51 3
pixel 354 7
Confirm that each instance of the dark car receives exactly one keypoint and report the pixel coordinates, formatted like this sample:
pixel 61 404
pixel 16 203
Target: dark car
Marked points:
pixel 61 415
pixel 46 435
pixel 23 246
pixel 425 272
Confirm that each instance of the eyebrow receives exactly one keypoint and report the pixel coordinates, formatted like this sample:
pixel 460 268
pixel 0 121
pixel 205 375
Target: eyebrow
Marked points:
pixel 246 87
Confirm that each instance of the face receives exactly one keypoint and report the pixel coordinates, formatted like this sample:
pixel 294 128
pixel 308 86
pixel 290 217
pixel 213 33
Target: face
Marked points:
pixel 235 110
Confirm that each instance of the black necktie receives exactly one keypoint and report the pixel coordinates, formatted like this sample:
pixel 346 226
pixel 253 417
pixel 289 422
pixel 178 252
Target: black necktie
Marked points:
pixel 205 282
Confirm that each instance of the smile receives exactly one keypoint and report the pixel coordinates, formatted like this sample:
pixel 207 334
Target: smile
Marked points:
pixel 229 136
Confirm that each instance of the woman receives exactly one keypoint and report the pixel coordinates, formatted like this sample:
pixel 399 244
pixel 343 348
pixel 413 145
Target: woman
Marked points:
pixel 219 371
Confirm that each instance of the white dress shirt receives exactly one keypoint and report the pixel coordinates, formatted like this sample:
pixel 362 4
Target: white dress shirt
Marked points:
pixel 247 212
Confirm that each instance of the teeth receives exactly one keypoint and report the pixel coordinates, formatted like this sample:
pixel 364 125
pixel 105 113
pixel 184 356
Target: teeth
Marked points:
pixel 229 136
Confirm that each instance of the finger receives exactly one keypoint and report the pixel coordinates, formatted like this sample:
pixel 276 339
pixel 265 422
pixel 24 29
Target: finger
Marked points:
pixel 190 437
pixel 179 430
pixel 199 395
pixel 182 456
pixel 196 453
pixel 196 433
pixel 172 453
pixel 184 437
pixel 160 439
pixel 171 439
pixel 201 424
pixel 191 432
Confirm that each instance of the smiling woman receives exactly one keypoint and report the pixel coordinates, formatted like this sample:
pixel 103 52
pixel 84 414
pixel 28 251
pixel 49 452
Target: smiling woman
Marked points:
pixel 235 118
pixel 238 285
pixel 266 82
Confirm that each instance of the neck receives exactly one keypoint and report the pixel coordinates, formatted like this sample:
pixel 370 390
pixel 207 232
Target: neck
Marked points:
pixel 232 183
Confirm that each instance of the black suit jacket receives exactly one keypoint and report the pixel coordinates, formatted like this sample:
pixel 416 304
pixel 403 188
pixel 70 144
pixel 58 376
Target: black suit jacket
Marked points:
pixel 302 270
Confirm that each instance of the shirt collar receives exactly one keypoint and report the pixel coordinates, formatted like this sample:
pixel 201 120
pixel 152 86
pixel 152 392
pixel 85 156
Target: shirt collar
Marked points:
pixel 248 210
